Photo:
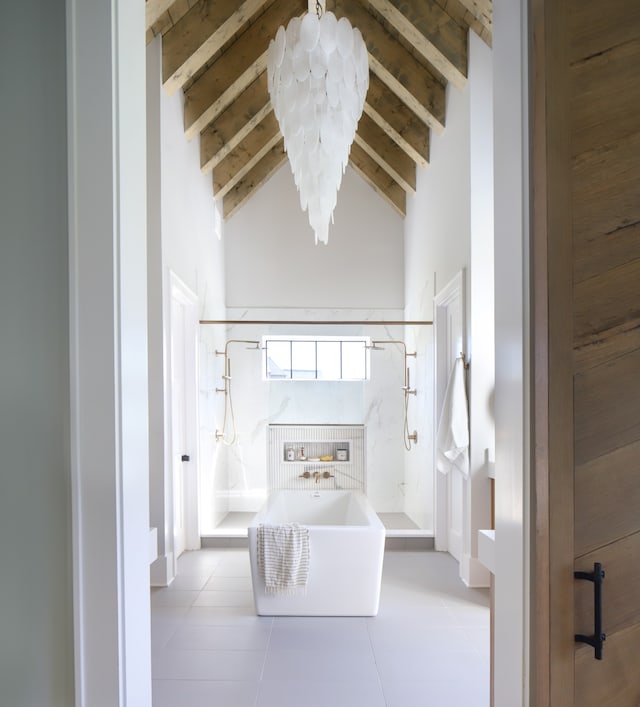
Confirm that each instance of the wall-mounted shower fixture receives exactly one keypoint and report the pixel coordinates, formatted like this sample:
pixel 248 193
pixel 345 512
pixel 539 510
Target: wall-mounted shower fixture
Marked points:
pixel 221 435
pixel 406 388
pixel 407 385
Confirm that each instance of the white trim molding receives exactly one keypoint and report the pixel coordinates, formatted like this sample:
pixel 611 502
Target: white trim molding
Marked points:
pixel 108 343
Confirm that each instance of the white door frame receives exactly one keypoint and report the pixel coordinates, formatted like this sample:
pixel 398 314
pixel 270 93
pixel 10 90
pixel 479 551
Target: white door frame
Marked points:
pixel 513 534
pixel 180 293
pixel 109 433
pixel 95 73
pixel 452 292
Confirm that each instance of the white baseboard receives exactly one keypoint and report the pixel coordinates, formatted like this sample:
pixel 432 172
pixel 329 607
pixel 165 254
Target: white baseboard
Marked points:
pixel 473 573
pixel 161 574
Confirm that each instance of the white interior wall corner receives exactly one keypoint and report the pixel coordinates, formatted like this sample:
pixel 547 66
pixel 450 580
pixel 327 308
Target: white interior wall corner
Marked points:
pixel 511 170
pixel 161 569
pixel 437 246
pixel 481 329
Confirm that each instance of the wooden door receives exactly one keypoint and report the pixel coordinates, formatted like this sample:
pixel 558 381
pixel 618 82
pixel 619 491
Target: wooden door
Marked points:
pixel 586 284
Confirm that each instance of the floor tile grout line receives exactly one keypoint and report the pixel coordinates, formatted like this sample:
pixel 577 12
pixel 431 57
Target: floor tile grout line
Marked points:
pixel 368 625
pixel 460 622
pixel 264 663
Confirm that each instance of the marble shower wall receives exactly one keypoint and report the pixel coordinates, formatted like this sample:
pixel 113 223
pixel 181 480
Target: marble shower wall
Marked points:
pixel 213 501
pixel 234 477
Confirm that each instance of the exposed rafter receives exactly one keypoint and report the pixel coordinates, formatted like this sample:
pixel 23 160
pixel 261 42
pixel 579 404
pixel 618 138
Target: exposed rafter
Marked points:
pixel 246 155
pixel 397 67
pixel 398 121
pixel 216 51
pixel 385 151
pixel 428 28
pixel 477 14
pixel 244 60
pixel 225 132
pixel 155 9
pixel 379 179
pixel 254 179
pixel 199 35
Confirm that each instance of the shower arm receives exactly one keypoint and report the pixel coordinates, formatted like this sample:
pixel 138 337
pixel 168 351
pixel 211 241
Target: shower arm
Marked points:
pixel 408 390
pixel 379 344
pixel 226 376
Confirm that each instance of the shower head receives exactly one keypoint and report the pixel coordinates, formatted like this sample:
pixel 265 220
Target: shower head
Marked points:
pixel 374 346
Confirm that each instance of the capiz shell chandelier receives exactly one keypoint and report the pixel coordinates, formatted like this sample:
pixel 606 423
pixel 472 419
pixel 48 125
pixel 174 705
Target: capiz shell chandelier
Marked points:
pixel 318 76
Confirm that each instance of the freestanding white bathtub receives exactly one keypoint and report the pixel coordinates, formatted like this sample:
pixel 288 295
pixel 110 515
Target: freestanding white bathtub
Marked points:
pixel 346 550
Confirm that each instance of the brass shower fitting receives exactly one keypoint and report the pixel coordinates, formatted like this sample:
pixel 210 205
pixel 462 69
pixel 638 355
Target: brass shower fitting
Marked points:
pixel 379 345
pixel 226 377
pixel 408 390
pixel 317 475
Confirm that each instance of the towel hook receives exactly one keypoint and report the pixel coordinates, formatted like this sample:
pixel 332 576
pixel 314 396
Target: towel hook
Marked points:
pixel 465 363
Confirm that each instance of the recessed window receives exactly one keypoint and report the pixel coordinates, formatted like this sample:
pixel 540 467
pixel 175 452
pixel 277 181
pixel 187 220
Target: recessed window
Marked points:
pixel 320 358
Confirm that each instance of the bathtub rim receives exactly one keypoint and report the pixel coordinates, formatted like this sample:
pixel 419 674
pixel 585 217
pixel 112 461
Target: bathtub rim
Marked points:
pixel 373 521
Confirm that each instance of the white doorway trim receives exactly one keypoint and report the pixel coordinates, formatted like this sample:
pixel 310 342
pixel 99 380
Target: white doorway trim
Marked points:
pixel 449 324
pixel 100 666
pixel 108 352
pixel 184 334
pixel 513 534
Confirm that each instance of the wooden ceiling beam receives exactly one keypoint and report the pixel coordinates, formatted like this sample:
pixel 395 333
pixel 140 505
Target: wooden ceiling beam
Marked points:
pixel 246 155
pixel 383 150
pixel 434 33
pixel 154 10
pixel 255 178
pixel 481 10
pixel 199 34
pixel 397 120
pixel 236 68
pixel 226 132
pixel 379 179
pixel 397 67
pixel 475 14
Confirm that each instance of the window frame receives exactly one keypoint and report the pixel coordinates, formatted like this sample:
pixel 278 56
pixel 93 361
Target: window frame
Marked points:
pixel 304 339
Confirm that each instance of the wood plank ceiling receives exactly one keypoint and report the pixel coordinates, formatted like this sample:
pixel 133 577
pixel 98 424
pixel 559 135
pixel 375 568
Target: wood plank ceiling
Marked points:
pixel 216 52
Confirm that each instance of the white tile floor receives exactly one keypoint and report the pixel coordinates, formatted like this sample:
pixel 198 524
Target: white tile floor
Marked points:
pixel 428 646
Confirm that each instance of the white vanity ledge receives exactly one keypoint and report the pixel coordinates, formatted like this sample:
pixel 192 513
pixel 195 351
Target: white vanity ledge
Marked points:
pixel 486 549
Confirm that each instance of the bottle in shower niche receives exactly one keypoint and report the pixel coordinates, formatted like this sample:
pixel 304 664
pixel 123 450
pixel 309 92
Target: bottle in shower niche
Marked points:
pixel 291 455
pixel 302 456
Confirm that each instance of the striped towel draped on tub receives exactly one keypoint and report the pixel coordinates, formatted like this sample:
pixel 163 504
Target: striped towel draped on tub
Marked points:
pixel 283 557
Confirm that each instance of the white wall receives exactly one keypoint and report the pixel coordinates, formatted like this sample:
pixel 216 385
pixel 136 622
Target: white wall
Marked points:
pixel 183 241
pixel 275 272
pixel 273 261
pixel 36 616
pixel 512 420
pixel 437 246
pixel 449 228
pixel 481 351
pixel 376 403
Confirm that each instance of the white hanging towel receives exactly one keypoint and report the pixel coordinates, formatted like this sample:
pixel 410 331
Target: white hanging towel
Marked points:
pixel 283 557
pixel 453 428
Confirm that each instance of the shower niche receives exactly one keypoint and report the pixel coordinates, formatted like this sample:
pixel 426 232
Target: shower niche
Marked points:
pixel 322 456
pixel 316 452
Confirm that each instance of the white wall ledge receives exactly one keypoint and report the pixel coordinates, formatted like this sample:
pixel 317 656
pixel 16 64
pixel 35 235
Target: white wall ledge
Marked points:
pixel 487 549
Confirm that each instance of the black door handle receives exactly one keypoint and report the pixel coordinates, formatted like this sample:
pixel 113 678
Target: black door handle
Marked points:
pixel 185 458
pixel 598 637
